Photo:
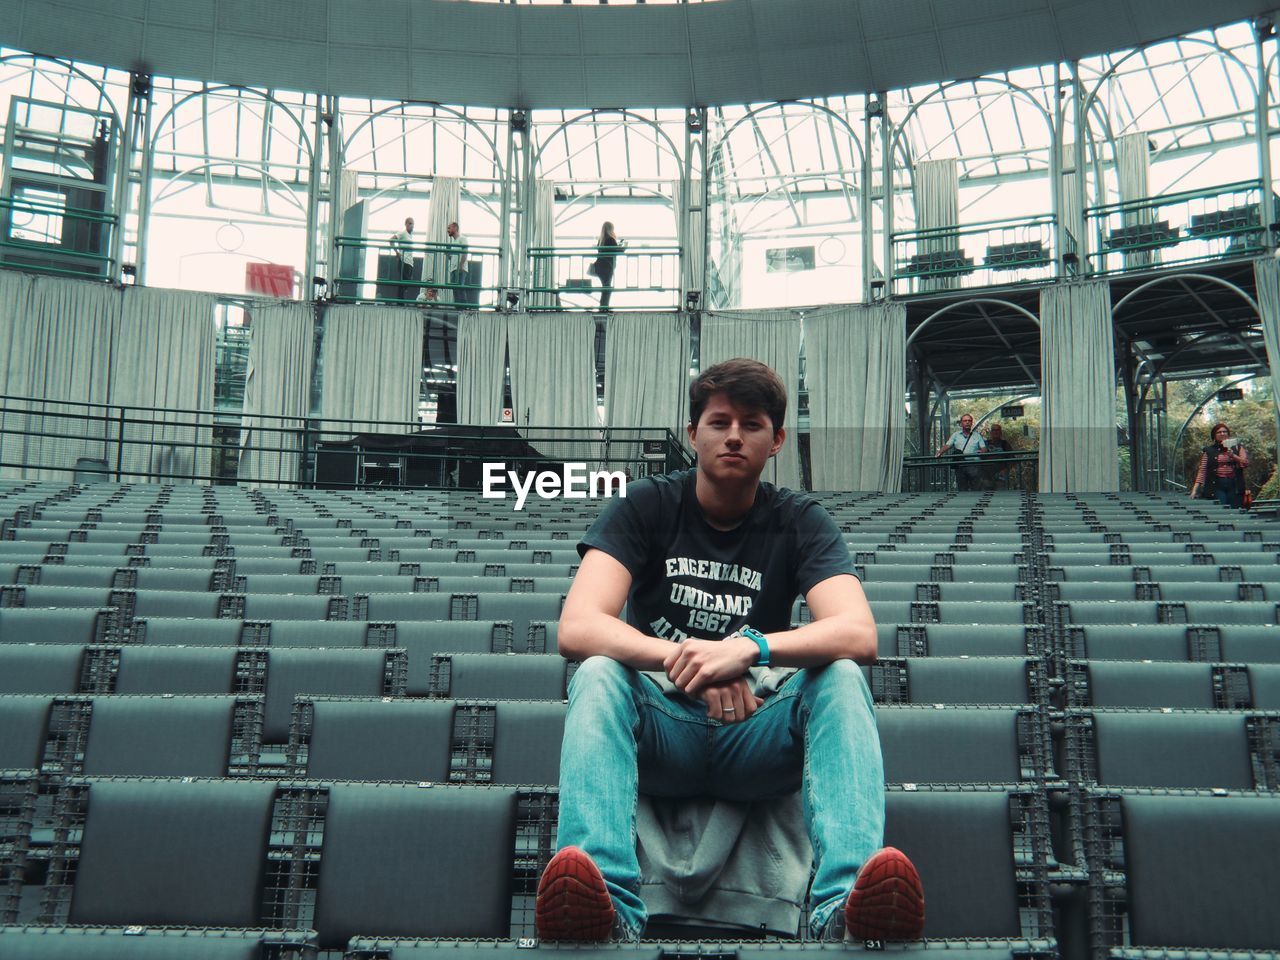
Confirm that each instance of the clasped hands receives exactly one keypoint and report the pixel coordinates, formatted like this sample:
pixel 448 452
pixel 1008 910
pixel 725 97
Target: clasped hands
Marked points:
pixel 715 672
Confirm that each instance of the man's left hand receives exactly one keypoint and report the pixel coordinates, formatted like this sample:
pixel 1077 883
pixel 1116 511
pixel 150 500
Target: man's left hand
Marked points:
pixel 695 664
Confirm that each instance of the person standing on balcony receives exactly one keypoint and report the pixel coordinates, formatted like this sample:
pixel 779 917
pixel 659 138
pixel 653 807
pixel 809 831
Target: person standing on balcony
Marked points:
pixel 455 263
pixel 402 244
pixel 967 444
pixel 607 249
pixel 997 477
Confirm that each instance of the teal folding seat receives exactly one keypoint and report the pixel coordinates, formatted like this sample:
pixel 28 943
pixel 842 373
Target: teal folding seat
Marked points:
pixel 131 669
pixel 956 744
pixel 306 633
pixel 160 736
pixel 496 676
pixel 40 668
pixel 185 631
pixel 52 626
pixel 1155 748
pixel 256 583
pixel 1239 611
pixel 956 680
pixel 1148 685
pixel 963 845
pixel 1264 685
pixel 526 742
pixel 1259 643
pixel 979 592
pixel 24 718
pixel 963 640
pixel 284 606
pixel 1155 847
pixel 36 596
pixel 248 566
pixel 384 847
pixel 148 830
pixel 162 604
pixel 325 672
pixel 371 739
pixel 1127 642
pixel 128 943
pixel 424 640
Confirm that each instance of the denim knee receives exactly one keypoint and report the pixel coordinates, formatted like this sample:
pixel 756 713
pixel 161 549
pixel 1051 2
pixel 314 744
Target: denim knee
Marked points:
pixel 842 679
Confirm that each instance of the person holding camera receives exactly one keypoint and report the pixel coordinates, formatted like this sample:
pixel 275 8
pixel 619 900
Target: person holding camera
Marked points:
pixel 1221 470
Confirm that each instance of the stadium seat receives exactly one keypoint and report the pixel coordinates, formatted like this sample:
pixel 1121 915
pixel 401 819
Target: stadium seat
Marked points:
pixel 923 744
pixel 371 739
pixel 957 680
pixel 128 943
pixel 40 668
pixel 1151 685
pixel 24 718
pixel 336 672
pixel 526 748
pixel 484 676
pixel 54 626
pixel 164 670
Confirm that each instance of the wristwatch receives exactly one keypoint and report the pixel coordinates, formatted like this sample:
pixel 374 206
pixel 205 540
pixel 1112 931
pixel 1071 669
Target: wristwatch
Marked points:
pixel 751 633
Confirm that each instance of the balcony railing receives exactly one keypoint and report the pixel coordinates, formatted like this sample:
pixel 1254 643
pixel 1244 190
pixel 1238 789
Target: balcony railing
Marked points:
pixel 645 278
pixel 1018 470
pixel 984 254
pixel 442 274
pixel 51 238
pixel 1188 227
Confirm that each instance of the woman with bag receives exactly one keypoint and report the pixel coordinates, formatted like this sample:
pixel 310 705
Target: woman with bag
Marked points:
pixel 1221 470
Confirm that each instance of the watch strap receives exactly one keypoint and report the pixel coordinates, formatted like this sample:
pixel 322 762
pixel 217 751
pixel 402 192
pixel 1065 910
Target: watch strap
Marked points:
pixel 759 639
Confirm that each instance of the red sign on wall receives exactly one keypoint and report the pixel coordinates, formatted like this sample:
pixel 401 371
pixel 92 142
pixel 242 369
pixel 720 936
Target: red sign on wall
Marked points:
pixel 269 279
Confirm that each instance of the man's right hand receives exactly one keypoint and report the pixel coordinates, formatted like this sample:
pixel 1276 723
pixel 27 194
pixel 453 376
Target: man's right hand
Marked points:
pixel 731 701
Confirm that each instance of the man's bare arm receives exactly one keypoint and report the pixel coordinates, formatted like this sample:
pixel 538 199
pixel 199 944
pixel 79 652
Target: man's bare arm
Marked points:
pixel 842 629
pixel 590 625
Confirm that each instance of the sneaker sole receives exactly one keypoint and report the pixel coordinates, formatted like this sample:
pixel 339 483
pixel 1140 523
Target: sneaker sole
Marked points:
pixel 887 902
pixel 573 903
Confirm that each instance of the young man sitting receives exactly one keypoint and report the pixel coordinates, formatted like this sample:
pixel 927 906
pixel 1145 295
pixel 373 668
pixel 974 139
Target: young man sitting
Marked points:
pixel 708 563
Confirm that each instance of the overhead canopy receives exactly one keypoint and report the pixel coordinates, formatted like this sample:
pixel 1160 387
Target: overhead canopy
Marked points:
pixel 592 55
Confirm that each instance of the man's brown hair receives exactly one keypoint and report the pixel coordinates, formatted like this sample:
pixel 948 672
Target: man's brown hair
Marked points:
pixel 749 384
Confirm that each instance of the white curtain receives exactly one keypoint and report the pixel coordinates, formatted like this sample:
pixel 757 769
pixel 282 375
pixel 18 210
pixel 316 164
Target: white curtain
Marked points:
pixel 553 382
pixel 855 371
pixel 1133 173
pixel 937 197
pixel 15 307
pixel 1078 429
pixel 1071 213
pixel 1266 275
pixel 446 196
pixel 773 338
pixel 277 384
pixel 371 361
pixel 164 357
pixel 542 230
pixel 646 377
pixel 690 217
pixel 58 353
pixel 482 367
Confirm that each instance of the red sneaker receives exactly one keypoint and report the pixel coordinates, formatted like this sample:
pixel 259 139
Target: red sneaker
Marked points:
pixel 573 903
pixel 887 899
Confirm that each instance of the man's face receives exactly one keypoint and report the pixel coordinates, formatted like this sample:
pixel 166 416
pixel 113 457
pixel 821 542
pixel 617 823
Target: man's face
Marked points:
pixel 966 423
pixel 452 229
pixel 733 442
pixel 408 225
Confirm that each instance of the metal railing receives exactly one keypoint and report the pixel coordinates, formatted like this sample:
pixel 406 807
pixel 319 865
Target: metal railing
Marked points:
pixel 984 254
pixel 51 238
pixel 442 274
pixel 645 278
pixel 86 441
pixel 1017 470
pixel 1187 227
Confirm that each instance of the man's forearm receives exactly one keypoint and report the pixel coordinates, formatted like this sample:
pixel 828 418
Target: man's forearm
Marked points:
pixel 824 641
pixel 600 635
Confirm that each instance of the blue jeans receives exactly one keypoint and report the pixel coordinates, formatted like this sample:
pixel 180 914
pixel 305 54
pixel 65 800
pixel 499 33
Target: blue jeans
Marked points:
pixel 1228 492
pixel 622 737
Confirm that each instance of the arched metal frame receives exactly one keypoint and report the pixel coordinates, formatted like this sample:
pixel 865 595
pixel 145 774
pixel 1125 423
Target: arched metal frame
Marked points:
pixel 858 154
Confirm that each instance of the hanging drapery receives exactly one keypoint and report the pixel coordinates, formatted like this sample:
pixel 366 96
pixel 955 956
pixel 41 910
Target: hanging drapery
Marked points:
pixel 773 338
pixel 553 383
pixel 59 349
pixel 1266 275
pixel 855 372
pixel 482 367
pixel 542 230
pixel 277 392
pixel 446 197
pixel 1133 173
pixel 164 357
pixel 937 198
pixel 646 379
pixel 1071 212
pixel 15 307
pixel 371 361
pixel 1078 421
pixel 690 217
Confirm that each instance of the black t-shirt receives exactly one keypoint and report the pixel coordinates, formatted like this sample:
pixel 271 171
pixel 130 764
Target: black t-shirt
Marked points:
pixel 689 579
